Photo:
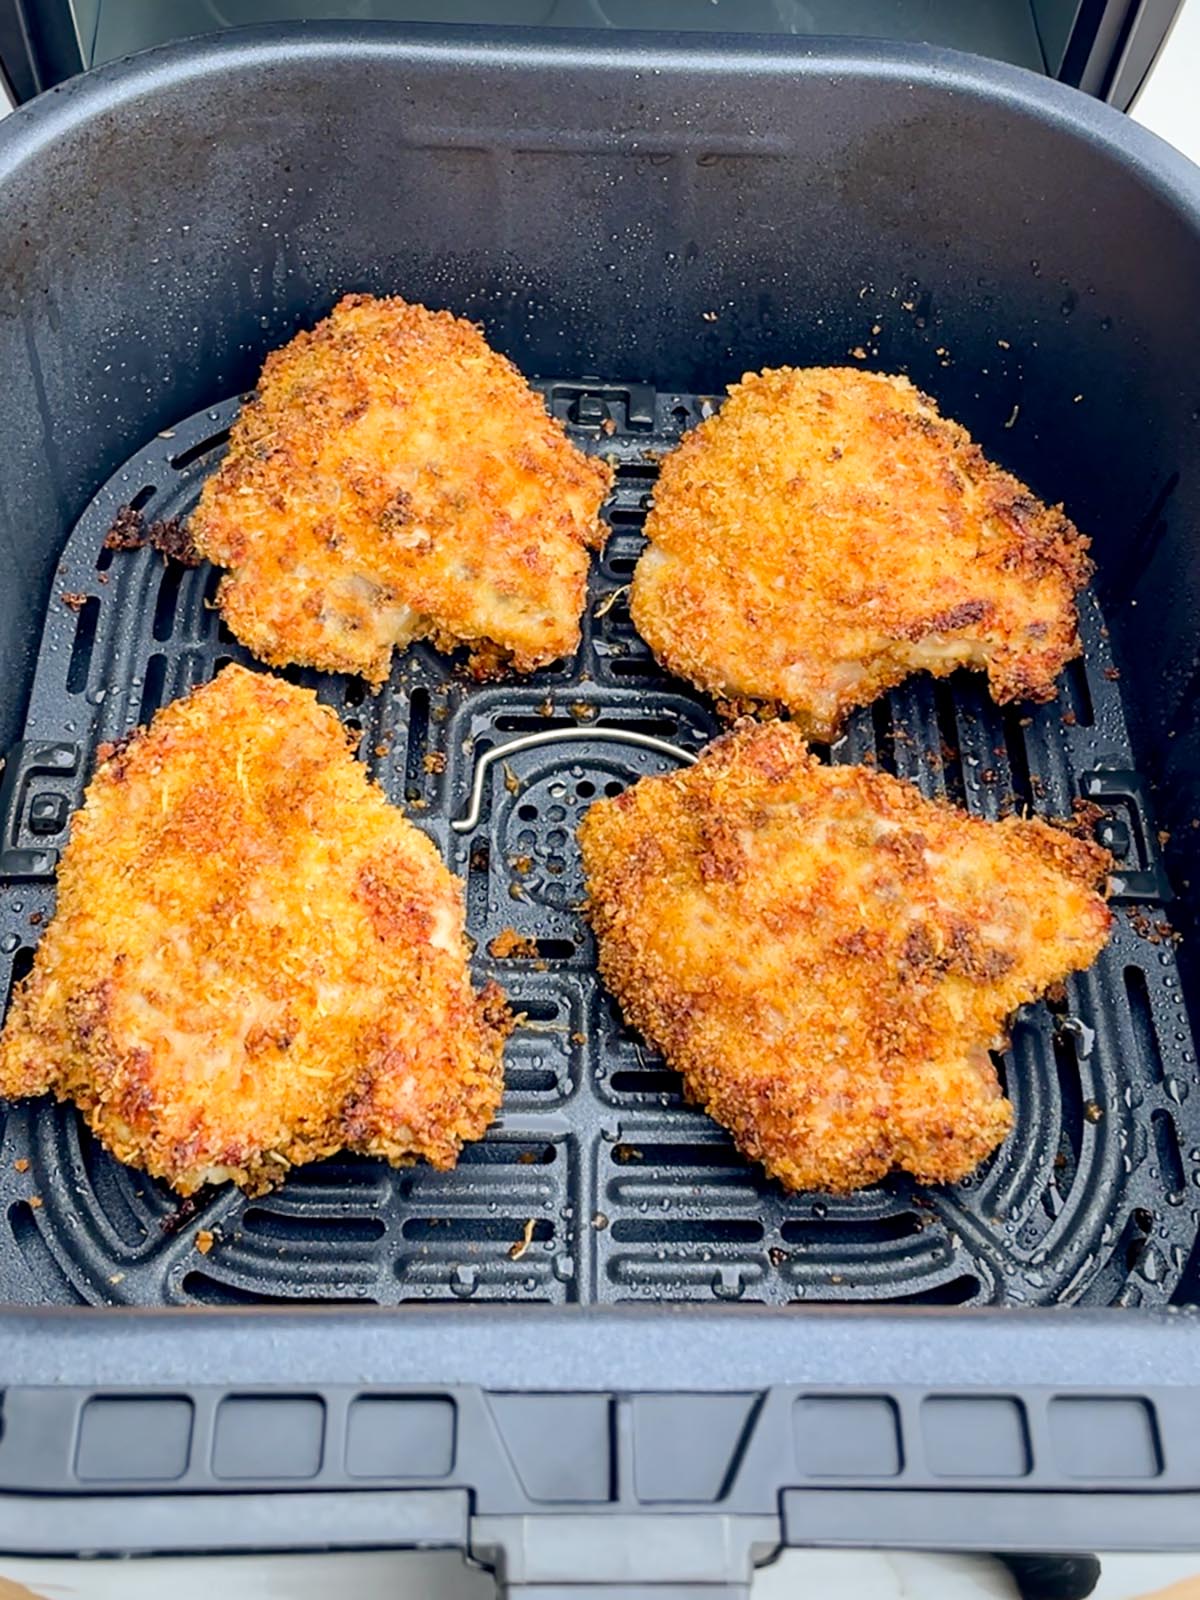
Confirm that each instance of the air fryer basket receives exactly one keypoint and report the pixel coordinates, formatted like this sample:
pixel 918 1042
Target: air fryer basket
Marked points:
pixel 598 1185
pixel 651 221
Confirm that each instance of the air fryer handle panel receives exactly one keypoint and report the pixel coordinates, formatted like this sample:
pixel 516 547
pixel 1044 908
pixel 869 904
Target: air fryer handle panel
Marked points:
pixel 615 1591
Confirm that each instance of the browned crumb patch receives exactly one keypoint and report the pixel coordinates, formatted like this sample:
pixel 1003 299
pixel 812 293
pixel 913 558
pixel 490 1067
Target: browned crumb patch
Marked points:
pixel 509 944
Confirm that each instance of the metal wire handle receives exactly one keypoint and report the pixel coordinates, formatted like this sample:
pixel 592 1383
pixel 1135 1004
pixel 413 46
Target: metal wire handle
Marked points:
pixel 530 741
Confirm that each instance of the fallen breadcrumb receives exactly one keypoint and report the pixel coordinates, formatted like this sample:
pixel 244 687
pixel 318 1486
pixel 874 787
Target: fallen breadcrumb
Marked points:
pixel 509 943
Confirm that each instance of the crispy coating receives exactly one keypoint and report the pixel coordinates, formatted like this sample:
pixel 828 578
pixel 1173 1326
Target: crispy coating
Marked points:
pixel 396 479
pixel 828 532
pixel 256 960
pixel 828 957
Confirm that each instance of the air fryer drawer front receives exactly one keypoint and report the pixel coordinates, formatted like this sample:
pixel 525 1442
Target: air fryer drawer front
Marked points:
pixel 620 1455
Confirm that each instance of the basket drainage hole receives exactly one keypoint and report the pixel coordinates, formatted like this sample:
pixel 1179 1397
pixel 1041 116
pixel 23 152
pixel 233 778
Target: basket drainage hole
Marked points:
pixel 22 966
pixel 585 790
pixel 537 1010
pixel 612 787
pixel 214 441
pixel 1135 1237
pixel 527 813
pixel 1170 1162
pixel 958 1291
pixel 1141 1015
pixel 81 648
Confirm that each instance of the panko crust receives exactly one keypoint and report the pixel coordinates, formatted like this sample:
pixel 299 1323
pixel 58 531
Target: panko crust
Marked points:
pixel 395 479
pixel 828 532
pixel 256 961
pixel 828 957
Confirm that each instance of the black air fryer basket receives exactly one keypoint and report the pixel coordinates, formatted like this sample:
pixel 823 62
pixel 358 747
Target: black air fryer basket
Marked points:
pixel 605 1349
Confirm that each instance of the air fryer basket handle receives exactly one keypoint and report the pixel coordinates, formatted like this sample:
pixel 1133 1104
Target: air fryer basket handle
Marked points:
pixel 617 1591
pixel 641 1555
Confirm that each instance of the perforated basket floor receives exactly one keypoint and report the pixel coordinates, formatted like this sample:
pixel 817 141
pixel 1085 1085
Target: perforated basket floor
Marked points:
pixel 631 1194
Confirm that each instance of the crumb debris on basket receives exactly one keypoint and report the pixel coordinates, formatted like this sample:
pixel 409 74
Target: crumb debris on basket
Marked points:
pixel 74 602
pixel 172 539
pixel 517 1250
pixel 434 761
pixel 126 531
pixel 21 1164
pixel 508 943
pixel 608 601
pixel 1154 931
pixel 129 530
pixel 205 1240
pixel 511 782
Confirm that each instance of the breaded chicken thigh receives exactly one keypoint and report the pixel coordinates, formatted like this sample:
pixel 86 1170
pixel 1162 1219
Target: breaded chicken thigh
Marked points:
pixel 827 533
pixel 256 960
pixel 827 957
pixel 395 479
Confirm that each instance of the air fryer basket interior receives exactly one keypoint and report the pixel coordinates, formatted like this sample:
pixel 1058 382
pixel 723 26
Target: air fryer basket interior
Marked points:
pixel 636 227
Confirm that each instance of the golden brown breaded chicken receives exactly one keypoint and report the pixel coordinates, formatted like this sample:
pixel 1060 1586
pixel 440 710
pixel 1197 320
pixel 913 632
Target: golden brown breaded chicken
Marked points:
pixel 828 957
pixel 828 532
pixel 396 479
pixel 256 960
